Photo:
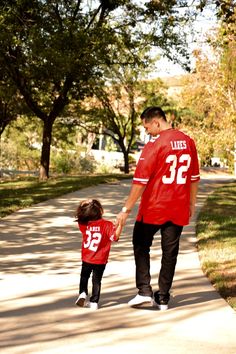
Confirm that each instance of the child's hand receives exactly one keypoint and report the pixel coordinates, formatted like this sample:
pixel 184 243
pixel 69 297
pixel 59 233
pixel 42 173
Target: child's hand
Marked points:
pixel 118 226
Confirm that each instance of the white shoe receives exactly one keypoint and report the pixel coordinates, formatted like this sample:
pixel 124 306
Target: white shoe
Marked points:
pixel 161 307
pixel 81 299
pixel 93 305
pixel 139 300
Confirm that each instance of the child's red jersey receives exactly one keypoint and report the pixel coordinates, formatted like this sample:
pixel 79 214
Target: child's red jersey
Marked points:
pixel 97 238
pixel 167 166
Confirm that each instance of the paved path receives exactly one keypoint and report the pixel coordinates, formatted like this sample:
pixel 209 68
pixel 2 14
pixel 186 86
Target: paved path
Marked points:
pixel 39 275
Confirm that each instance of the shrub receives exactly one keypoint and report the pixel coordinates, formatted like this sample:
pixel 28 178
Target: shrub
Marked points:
pixel 63 163
pixel 85 164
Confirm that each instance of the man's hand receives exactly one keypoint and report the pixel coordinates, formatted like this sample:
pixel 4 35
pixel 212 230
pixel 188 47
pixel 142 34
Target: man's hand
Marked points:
pixel 135 193
pixel 193 197
pixel 121 218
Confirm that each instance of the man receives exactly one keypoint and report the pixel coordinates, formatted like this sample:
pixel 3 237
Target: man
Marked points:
pixel 166 178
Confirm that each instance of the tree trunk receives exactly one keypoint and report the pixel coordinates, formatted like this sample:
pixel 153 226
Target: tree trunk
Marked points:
pixel 126 160
pixel 45 153
pixel 125 152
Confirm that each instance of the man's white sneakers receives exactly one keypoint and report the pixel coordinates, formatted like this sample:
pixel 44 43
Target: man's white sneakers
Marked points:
pixel 92 305
pixel 140 300
pixel 161 307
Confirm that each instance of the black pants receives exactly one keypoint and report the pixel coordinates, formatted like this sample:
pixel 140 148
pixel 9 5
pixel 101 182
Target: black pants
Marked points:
pixel 97 270
pixel 142 240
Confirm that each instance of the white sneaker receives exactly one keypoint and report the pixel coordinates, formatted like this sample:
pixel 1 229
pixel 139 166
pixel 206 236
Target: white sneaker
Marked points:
pixel 93 305
pixel 161 307
pixel 139 300
pixel 81 299
pixel 161 302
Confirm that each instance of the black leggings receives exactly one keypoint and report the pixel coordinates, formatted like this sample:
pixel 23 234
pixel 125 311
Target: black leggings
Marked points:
pixel 87 269
pixel 142 240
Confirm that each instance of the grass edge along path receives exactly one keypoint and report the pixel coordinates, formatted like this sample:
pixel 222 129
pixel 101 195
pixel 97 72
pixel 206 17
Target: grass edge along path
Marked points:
pixel 24 192
pixel 216 237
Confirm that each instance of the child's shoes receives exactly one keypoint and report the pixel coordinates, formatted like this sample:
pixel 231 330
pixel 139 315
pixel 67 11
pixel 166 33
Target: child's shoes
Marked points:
pixel 81 299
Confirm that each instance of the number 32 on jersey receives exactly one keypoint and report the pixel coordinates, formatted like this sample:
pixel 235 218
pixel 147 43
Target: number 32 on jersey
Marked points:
pixel 178 165
pixel 93 240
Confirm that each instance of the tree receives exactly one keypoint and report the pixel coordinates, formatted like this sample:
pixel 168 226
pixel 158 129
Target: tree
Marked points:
pixel 10 103
pixel 210 95
pixel 116 106
pixel 113 111
pixel 52 51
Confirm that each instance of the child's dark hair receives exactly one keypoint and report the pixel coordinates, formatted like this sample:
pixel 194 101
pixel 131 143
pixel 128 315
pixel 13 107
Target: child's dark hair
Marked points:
pixel 88 210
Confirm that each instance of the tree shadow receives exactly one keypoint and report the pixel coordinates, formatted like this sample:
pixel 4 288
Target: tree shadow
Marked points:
pixel 42 243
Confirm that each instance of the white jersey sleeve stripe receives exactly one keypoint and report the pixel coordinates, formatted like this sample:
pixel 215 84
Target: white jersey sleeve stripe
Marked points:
pixel 141 180
pixel 194 177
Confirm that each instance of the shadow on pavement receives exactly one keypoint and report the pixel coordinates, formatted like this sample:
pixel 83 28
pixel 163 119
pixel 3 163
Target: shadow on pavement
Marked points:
pixel 40 266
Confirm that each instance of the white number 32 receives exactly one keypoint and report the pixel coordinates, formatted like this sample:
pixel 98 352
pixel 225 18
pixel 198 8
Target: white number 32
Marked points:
pixel 177 172
pixel 93 240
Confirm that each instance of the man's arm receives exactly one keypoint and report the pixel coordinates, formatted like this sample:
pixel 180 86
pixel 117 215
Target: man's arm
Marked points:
pixel 193 197
pixel 135 193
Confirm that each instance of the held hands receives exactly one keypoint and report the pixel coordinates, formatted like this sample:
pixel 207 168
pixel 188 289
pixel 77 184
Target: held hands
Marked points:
pixel 120 221
pixel 118 227
pixel 121 218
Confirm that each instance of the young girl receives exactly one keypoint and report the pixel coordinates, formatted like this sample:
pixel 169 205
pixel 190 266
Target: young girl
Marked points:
pixel 98 234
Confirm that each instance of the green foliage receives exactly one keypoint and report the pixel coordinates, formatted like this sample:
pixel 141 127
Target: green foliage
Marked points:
pixel 116 107
pixel 18 150
pixel 85 165
pixel 154 93
pixel 226 11
pixel 63 163
pixel 210 95
pixel 64 134
pixel 208 107
pixel 7 112
pixel 55 51
pixel 104 168
pixel 72 162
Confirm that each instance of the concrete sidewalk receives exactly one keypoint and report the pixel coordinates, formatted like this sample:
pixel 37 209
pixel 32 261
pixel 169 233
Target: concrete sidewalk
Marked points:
pixel 39 276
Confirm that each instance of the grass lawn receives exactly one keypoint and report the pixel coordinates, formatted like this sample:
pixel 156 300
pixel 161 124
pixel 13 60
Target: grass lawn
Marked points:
pixel 216 233
pixel 23 192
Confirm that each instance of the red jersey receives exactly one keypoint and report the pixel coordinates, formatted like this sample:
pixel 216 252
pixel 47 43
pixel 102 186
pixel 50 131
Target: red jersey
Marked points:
pixel 97 238
pixel 167 166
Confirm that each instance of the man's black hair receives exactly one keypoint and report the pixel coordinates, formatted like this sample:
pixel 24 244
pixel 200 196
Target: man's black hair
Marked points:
pixel 153 112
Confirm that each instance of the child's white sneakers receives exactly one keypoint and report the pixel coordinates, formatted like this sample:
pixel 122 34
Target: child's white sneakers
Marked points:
pixel 81 299
pixel 81 302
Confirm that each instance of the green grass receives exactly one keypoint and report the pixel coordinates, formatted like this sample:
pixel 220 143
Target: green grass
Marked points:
pixel 23 192
pixel 216 233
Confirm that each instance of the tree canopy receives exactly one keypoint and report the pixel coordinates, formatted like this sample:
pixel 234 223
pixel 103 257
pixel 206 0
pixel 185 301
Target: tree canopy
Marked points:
pixel 210 92
pixel 54 51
